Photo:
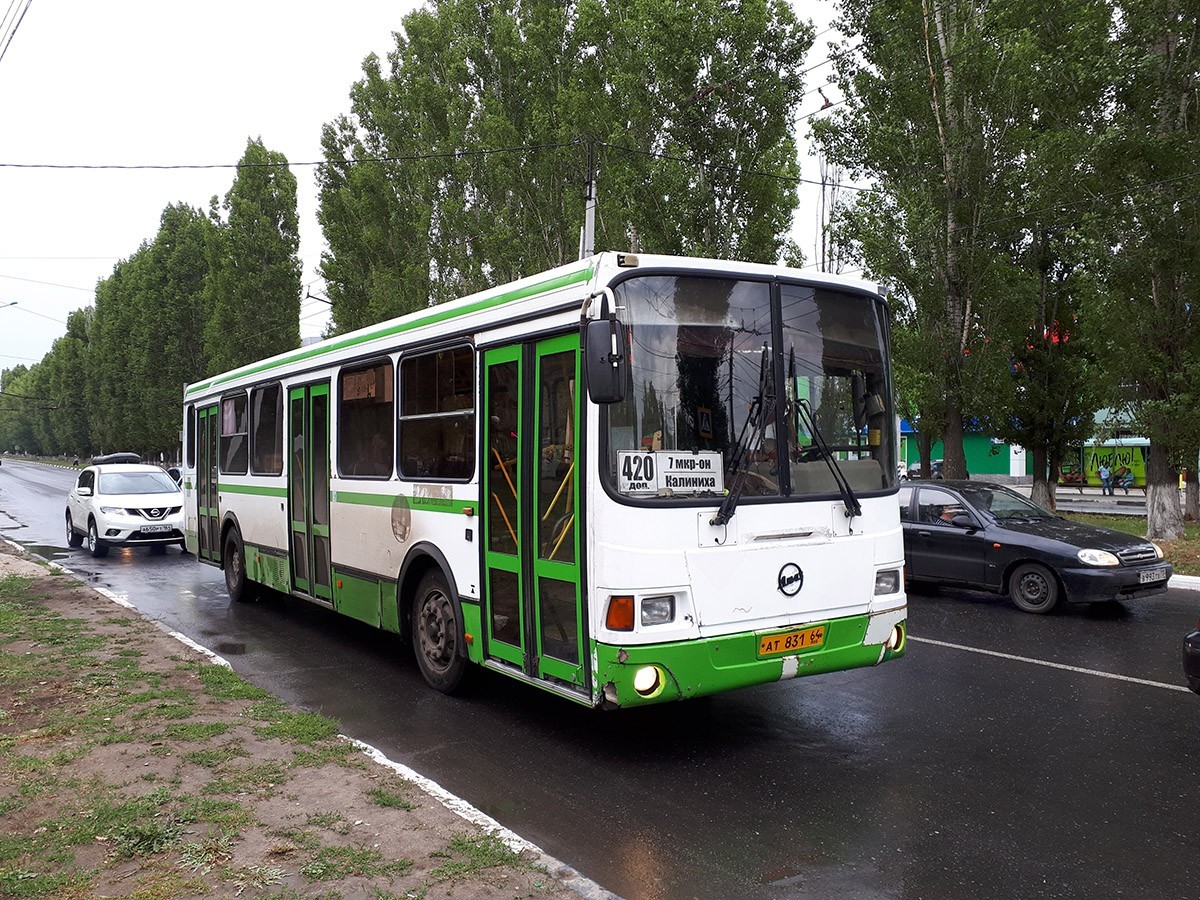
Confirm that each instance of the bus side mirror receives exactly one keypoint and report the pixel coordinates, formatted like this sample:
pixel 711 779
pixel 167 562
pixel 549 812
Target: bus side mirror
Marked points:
pixel 604 360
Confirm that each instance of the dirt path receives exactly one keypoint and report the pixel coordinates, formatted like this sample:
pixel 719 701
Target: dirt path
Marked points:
pixel 132 766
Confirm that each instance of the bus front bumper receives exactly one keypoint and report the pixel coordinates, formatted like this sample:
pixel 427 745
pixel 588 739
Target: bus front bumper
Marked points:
pixel 655 673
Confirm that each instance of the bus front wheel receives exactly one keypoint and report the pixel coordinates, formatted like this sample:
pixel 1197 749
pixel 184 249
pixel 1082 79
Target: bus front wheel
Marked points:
pixel 437 635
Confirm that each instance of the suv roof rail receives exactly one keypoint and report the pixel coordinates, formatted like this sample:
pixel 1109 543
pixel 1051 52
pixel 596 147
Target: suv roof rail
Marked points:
pixel 111 458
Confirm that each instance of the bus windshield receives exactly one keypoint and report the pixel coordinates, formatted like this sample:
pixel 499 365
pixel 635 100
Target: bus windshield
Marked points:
pixel 771 389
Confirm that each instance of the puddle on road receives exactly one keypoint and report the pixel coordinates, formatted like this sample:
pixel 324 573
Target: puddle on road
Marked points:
pixel 230 649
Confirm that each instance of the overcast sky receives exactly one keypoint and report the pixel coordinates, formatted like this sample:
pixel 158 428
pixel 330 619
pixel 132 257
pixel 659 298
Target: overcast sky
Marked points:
pixel 156 82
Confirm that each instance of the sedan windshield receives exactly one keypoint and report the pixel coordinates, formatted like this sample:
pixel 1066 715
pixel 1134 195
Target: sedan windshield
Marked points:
pixel 137 483
pixel 1004 504
pixel 771 390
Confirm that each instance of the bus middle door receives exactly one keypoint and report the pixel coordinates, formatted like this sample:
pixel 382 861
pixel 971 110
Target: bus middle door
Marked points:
pixel 308 490
pixel 208 514
pixel 532 594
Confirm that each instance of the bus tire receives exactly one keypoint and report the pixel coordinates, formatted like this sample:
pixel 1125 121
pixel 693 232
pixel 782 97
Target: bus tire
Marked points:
pixel 233 561
pixel 437 634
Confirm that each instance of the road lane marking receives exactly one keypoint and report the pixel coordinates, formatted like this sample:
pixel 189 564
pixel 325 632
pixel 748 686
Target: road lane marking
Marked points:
pixel 1051 665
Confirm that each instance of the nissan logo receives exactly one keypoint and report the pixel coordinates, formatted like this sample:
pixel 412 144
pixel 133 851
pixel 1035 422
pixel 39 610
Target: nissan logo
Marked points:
pixel 791 579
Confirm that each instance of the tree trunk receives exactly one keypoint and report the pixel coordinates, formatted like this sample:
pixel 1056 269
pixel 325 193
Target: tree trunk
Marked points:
pixel 1191 495
pixel 924 452
pixel 1164 518
pixel 954 463
pixel 1043 487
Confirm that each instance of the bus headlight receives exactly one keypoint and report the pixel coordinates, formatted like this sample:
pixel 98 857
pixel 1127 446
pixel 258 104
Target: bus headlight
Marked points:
pixel 658 610
pixel 647 680
pixel 887 581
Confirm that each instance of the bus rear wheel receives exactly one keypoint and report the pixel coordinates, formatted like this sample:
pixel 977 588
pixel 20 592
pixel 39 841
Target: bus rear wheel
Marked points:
pixel 233 560
pixel 437 635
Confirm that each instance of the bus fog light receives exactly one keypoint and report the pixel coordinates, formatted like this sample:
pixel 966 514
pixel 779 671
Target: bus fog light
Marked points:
pixel 887 582
pixel 647 680
pixel 658 610
pixel 896 639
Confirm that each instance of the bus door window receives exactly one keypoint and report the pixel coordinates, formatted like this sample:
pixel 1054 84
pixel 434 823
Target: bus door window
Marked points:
pixel 558 610
pixel 503 411
pixel 503 522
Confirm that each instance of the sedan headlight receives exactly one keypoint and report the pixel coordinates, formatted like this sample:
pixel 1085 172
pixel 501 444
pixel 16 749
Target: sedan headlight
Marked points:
pixel 1098 558
pixel 1157 550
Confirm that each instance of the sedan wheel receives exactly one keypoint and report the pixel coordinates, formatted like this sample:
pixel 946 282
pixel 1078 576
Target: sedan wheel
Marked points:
pixel 1033 588
pixel 96 547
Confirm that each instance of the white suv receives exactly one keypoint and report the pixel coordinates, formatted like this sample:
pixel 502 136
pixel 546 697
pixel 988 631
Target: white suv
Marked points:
pixel 117 501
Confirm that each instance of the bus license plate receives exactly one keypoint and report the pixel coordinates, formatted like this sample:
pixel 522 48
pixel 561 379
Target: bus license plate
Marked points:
pixel 783 643
pixel 155 529
pixel 1151 575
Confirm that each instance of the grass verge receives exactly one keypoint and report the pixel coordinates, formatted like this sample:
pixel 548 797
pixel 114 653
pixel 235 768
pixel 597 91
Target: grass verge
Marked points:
pixel 130 766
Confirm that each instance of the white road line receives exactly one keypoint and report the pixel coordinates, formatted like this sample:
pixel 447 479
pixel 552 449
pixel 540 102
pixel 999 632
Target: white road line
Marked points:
pixel 1048 664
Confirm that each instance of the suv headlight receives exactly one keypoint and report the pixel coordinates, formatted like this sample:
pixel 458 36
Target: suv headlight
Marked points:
pixel 113 510
pixel 1097 558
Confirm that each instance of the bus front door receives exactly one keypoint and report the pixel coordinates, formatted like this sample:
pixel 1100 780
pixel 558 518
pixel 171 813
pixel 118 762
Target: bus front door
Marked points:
pixel 208 515
pixel 532 597
pixel 308 490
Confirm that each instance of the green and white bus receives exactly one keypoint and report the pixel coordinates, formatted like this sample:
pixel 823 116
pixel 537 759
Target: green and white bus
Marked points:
pixel 627 480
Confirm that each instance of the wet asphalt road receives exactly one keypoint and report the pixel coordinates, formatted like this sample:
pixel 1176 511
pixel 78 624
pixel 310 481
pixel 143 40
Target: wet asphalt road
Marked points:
pixel 995 760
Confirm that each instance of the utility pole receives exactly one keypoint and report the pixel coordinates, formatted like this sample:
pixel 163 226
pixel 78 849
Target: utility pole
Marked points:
pixel 587 236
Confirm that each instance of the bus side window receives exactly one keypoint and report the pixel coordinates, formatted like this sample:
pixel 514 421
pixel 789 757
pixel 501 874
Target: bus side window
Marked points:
pixel 437 415
pixel 266 430
pixel 365 416
pixel 235 431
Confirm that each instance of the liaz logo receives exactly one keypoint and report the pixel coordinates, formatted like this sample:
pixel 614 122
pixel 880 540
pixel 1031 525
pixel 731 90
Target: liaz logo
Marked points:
pixel 791 579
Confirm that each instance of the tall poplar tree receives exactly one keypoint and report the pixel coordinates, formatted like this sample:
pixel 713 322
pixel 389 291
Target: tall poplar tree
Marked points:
pixel 254 278
pixel 1154 310
pixel 463 162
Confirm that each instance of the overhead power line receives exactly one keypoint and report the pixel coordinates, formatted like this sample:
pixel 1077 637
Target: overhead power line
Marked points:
pixel 15 24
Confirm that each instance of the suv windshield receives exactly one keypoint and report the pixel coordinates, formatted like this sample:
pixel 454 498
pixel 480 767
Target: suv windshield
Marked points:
pixel 729 378
pixel 136 483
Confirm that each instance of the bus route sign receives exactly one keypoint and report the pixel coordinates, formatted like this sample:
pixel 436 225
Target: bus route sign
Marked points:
pixel 670 471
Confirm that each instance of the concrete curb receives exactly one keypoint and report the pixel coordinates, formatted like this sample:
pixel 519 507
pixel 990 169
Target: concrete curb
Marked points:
pixel 1185 582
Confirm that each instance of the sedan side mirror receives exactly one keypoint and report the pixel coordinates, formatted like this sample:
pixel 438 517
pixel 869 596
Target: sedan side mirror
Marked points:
pixel 962 520
pixel 84 491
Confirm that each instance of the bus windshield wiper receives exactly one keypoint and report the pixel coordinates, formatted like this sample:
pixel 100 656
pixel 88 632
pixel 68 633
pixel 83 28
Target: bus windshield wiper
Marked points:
pixel 853 507
pixel 755 424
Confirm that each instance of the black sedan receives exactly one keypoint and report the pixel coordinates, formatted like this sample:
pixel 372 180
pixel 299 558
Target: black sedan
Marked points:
pixel 1191 659
pixel 987 536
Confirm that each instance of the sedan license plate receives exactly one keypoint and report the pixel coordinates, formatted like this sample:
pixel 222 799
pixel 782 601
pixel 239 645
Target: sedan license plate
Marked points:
pixel 782 643
pixel 1151 575
pixel 155 529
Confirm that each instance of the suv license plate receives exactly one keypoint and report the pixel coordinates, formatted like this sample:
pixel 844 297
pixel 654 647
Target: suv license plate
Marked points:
pixel 1151 575
pixel 155 529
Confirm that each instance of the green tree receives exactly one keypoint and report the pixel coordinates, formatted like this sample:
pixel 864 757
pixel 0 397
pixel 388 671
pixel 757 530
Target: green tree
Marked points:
pixel 1155 272
pixel 923 85
pixel 254 270
pixel 464 164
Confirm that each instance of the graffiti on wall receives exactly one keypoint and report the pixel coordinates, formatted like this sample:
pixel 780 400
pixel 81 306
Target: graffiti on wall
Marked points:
pixel 1123 462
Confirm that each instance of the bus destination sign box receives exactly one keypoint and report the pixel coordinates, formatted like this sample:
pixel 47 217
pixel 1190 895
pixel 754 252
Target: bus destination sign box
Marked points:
pixel 668 472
